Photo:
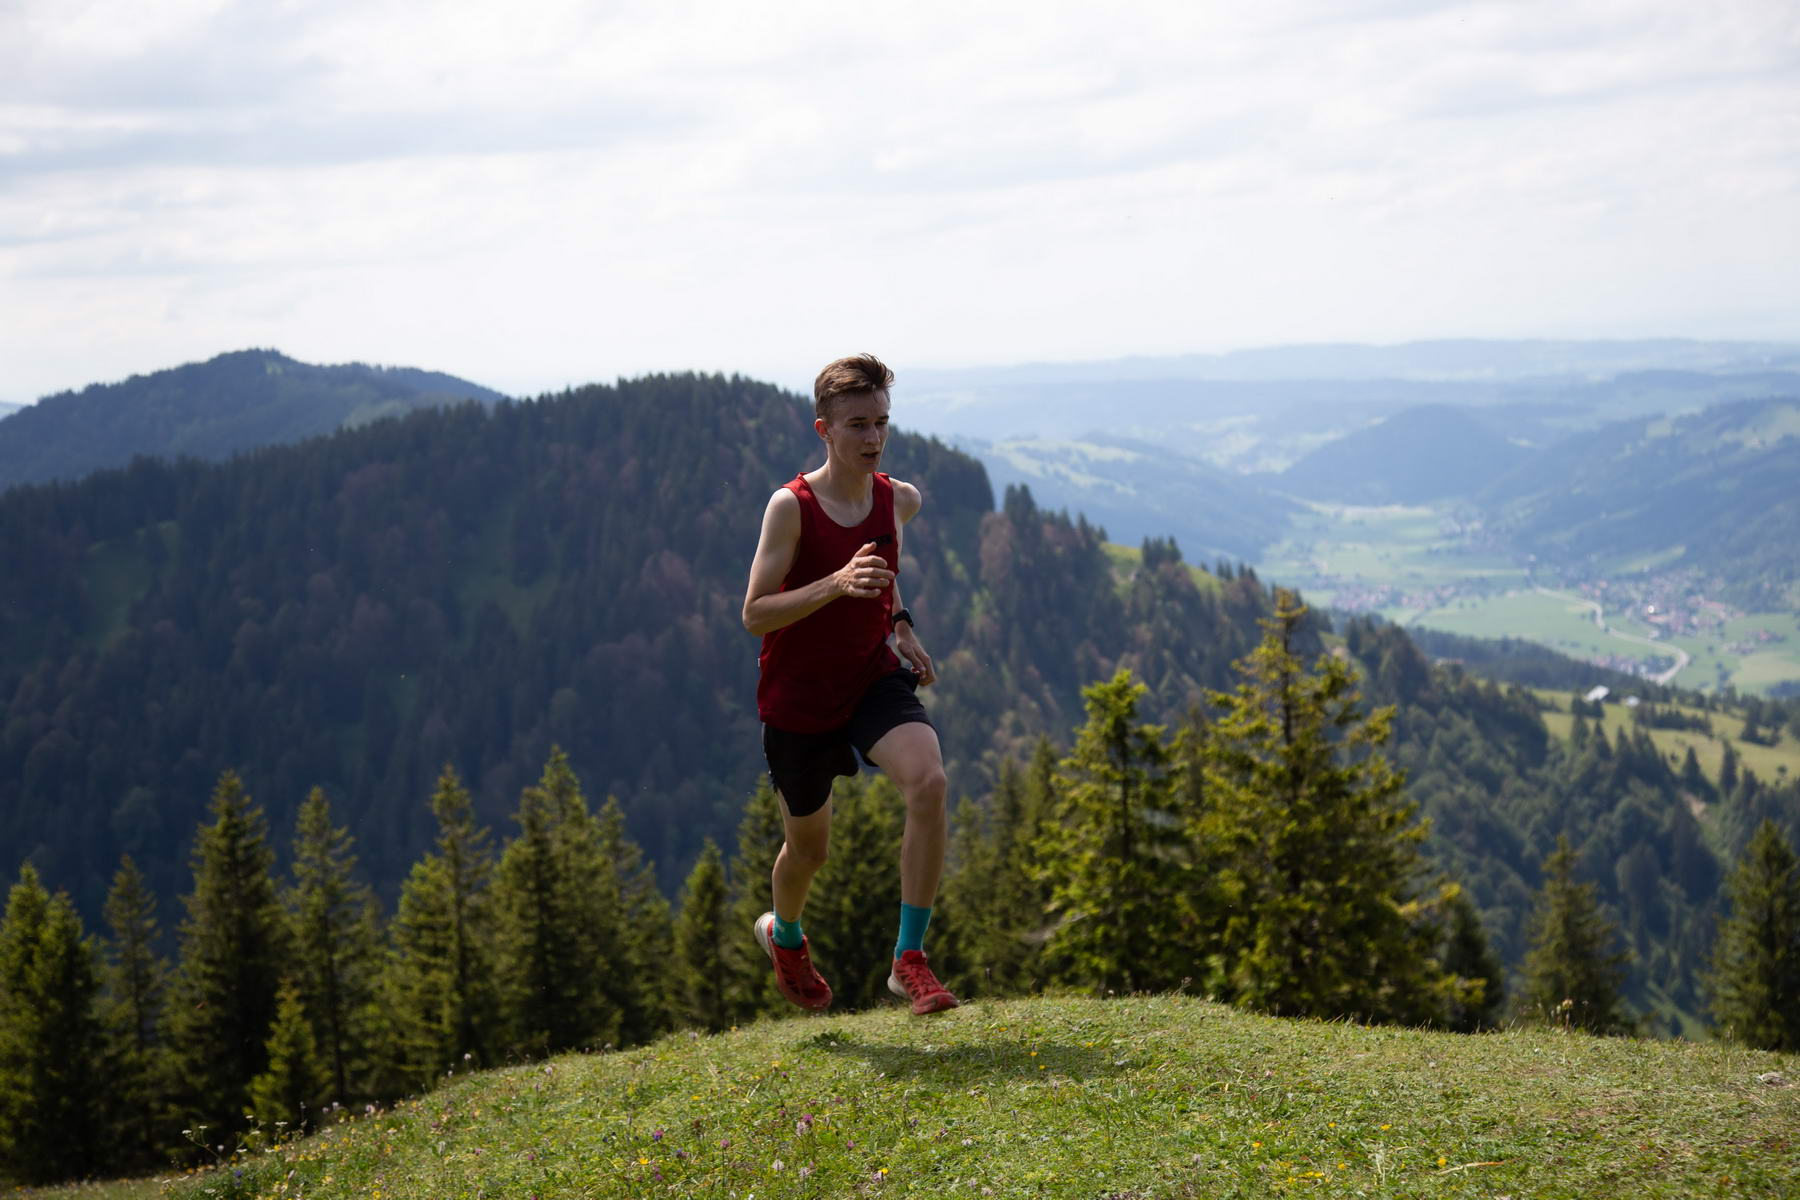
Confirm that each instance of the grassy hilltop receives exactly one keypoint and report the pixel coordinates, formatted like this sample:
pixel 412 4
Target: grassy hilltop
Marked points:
pixel 1162 1096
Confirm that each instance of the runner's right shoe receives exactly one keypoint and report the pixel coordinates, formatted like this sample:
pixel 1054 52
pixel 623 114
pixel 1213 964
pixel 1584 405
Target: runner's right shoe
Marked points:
pixel 794 973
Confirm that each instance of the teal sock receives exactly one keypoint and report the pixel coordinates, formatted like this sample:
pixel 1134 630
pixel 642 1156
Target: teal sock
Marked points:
pixel 786 934
pixel 913 921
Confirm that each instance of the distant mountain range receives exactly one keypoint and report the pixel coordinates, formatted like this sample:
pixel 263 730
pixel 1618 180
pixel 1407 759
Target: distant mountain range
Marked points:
pixel 212 410
pixel 1417 455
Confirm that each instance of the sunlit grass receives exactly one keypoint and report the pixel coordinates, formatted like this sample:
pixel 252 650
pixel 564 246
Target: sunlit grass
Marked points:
pixel 1163 1096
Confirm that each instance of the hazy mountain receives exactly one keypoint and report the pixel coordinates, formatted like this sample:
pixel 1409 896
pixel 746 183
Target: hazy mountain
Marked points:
pixel 1444 360
pixel 1714 490
pixel 1137 490
pixel 211 410
pixel 1414 456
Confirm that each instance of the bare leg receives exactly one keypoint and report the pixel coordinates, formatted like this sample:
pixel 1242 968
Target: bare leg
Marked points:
pixel 913 760
pixel 802 854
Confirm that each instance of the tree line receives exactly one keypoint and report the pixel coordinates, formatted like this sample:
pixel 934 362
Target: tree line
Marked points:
pixel 1265 853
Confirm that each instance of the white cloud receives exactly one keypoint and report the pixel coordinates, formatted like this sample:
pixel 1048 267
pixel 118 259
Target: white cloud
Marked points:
pixel 567 191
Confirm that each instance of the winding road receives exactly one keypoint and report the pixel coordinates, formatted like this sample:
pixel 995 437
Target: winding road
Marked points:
pixel 1682 657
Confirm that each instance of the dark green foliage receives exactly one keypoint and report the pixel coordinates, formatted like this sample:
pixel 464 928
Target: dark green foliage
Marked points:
pixel 750 988
pixel 701 945
pixel 51 1044
pixel 214 409
pixel 136 984
pixel 1466 954
pixel 995 906
pixel 1316 851
pixel 234 950
pixel 288 1097
pixel 853 910
pixel 1572 973
pixel 437 990
pixel 637 982
pixel 560 945
pixel 1112 854
pixel 1755 978
pixel 337 947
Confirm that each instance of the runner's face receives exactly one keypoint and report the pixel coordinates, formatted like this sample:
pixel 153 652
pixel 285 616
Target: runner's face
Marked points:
pixel 857 432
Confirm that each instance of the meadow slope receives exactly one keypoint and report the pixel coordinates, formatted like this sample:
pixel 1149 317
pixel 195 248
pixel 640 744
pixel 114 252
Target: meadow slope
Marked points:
pixel 1163 1096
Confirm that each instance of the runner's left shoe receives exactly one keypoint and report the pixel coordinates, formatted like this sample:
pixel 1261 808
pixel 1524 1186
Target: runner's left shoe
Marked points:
pixel 912 980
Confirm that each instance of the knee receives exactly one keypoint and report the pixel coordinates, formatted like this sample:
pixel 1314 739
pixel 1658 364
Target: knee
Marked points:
pixel 925 793
pixel 808 856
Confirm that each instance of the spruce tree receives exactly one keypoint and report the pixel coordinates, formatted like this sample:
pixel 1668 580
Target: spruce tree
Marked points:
pixel 1467 955
pixel 750 979
pixel 556 910
pixel 288 1096
pixel 1755 979
pixel 437 991
pixel 1316 848
pixel 51 1042
pixel 701 941
pixel 1113 857
pixel 646 928
pixel 994 901
pixel 853 910
pixel 136 983
pixel 234 945
pixel 1572 974
pixel 336 931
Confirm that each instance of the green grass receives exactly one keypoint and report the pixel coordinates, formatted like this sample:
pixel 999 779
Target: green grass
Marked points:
pixel 1771 763
pixel 118 1189
pixel 1159 1096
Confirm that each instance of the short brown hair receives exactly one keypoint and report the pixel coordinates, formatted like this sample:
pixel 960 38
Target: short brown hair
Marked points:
pixel 858 376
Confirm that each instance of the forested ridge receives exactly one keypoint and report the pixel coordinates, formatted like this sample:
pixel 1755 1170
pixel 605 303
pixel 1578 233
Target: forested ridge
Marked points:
pixel 211 410
pixel 472 586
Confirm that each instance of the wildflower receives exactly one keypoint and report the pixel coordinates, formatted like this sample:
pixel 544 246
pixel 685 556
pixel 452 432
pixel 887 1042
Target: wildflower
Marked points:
pixel 1387 1127
pixel 777 1165
pixel 1442 1161
pixel 724 1143
pixel 656 1135
pixel 642 1161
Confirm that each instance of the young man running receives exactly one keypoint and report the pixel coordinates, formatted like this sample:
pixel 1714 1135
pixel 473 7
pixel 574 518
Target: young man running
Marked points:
pixel 824 597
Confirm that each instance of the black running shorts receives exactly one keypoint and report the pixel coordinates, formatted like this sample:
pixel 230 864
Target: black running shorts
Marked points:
pixel 804 764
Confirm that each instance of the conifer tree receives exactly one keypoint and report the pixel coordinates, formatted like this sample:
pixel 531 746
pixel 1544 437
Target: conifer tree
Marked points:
pixel 288 1096
pixel 233 946
pixel 1572 974
pixel 1755 979
pixel 646 928
pixel 336 932
pixel 556 909
pixel 136 982
pixel 437 990
pixel 1467 955
pixel 853 909
pixel 51 1041
pixel 1113 856
pixel 750 985
pixel 995 903
pixel 701 941
pixel 1317 849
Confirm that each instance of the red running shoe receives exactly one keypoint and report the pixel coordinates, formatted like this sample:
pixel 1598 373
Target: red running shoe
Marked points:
pixel 794 973
pixel 911 979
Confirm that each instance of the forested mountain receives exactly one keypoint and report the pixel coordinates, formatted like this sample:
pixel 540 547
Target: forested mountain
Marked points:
pixel 1421 454
pixel 472 585
pixel 1714 491
pixel 8 409
pixel 211 410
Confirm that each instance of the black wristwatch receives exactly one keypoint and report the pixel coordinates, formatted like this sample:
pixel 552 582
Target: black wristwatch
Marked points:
pixel 902 615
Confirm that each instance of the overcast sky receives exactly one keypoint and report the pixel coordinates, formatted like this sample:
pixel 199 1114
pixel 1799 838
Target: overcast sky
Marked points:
pixel 551 193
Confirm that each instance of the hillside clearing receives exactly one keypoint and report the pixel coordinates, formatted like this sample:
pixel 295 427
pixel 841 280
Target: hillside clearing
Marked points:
pixel 1148 1096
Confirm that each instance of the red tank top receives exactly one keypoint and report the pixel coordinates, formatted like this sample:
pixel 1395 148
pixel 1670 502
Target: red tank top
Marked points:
pixel 816 670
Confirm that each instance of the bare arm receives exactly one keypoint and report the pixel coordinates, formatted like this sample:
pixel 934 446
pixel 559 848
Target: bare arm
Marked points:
pixel 768 608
